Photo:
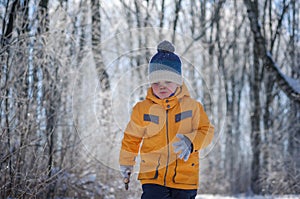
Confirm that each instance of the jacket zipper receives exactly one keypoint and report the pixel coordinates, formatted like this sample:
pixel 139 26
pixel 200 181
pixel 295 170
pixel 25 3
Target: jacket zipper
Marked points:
pixel 167 132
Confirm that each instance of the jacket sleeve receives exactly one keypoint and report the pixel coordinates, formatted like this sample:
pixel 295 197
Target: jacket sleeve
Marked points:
pixel 203 130
pixel 132 138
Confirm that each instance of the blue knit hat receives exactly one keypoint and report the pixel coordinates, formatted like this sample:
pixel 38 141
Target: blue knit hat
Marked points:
pixel 165 65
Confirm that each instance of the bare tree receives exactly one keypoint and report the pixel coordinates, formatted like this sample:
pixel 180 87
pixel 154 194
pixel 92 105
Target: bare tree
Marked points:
pixel 287 84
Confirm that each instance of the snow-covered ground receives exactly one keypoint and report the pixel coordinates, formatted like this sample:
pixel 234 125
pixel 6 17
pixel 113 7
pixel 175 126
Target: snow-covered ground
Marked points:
pixel 203 196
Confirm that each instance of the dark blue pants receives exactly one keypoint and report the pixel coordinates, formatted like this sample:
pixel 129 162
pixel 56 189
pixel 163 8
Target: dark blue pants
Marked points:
pixel 154 191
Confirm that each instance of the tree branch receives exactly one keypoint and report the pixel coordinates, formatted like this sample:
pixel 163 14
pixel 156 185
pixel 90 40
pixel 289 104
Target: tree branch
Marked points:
pixel 288 85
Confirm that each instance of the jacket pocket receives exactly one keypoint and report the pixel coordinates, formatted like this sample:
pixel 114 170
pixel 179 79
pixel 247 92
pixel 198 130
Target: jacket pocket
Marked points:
pixel 149 166
pixel 187 172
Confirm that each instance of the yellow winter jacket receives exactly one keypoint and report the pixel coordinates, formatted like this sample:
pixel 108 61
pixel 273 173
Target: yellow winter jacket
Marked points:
pixel 152 131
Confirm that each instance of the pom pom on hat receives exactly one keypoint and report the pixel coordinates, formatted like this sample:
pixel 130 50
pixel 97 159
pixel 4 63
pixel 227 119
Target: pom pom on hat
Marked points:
pixel 165 46
pixel 165 65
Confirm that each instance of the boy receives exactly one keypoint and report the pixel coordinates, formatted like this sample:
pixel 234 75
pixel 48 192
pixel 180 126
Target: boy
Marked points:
pixel 171 128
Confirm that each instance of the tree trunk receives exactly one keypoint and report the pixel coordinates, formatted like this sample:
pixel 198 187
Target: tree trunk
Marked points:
pixel 96 48
pixel 161 18
pixel 177 10
pixel 49 91
pixel 255 121
pixel 9 173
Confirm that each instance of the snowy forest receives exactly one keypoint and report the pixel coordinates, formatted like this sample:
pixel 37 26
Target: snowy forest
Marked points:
pixel 71 70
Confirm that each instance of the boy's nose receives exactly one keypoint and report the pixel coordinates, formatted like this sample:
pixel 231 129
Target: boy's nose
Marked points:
pixel 162 85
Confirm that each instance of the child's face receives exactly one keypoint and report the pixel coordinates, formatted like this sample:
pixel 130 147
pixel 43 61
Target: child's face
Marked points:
pixel 164 89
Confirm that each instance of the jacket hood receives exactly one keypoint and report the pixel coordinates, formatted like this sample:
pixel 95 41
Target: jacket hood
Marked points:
pixel 169 102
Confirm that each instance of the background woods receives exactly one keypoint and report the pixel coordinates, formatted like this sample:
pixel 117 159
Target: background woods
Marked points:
pixel 70 71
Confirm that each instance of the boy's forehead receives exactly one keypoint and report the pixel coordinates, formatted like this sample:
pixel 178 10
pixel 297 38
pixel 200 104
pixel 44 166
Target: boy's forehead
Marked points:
pixel 162 82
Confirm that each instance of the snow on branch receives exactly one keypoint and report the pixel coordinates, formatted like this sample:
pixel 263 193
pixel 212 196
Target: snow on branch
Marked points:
pixel 288 85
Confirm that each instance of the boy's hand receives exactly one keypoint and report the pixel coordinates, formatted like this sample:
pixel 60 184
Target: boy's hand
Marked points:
pixel 126 171
pixel 184 145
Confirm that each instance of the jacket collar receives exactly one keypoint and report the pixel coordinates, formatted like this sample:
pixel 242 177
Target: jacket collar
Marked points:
pixel 169 102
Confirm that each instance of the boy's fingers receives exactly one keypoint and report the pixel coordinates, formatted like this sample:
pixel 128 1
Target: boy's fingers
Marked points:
pixel 186 157
pixel 179 148
pixel 180 136
pixel 177 143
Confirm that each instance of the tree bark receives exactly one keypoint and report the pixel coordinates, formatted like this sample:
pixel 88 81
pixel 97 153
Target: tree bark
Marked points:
pixel 255 121
pixel 96 48
pixel 177 10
